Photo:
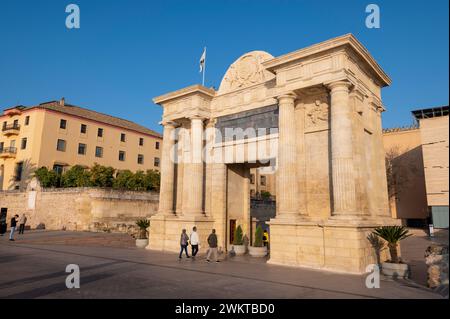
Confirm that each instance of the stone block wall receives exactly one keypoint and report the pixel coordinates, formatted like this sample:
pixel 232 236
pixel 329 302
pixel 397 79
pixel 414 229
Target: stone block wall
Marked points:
pixel 82 209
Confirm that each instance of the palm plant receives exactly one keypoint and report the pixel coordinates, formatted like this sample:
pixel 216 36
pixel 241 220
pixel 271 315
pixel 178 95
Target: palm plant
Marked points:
pixel 143 224
pixel 392 235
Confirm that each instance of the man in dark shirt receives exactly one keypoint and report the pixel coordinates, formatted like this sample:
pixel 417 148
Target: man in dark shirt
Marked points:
pixel 13 227
pixel 212 242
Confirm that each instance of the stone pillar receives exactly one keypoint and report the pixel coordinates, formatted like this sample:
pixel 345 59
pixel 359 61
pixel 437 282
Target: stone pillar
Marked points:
pixel 343 175
pixel 166 194
pixel 193 171
pixel 287 184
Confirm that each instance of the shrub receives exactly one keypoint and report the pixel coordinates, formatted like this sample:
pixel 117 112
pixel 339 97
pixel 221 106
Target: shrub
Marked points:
pixel 46 178
pixel 265 195
pixel 152 180
pixel 122 180
pixel 258 237
pixel 238 238
pixel 76 176
pixel 143 224
pixel 102 176
pixel 392 235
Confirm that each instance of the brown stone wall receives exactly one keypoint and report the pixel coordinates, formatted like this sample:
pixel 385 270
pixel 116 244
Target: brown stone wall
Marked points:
pixel 84 209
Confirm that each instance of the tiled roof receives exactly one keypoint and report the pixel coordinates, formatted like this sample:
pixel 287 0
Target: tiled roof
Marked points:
pixel 95 116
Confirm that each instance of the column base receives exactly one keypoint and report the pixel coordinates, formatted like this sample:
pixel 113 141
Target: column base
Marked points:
pixel 165 231
pixel 325 244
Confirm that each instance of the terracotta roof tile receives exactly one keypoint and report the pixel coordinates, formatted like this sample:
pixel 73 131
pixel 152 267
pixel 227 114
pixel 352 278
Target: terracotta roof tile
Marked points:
pixel 95 116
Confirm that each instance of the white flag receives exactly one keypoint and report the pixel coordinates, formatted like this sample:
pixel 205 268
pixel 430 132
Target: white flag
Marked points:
pixel 202 60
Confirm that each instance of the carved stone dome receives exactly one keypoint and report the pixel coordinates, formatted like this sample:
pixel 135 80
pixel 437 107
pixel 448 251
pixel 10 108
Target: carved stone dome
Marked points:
pixel 246 71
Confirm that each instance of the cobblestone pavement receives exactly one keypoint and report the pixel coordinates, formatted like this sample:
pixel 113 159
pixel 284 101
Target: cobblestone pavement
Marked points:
pixel 112 267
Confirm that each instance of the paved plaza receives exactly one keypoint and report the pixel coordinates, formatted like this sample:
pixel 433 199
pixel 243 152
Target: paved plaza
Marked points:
pixel 111 267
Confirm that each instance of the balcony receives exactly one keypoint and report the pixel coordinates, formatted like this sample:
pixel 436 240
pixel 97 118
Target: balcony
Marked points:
pixel 8 152
pixel 11 129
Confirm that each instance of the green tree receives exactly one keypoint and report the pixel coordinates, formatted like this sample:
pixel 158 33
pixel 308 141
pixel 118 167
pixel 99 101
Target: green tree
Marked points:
pixel 152 180
pixel 102 176
pixel 137 181
pixel 238 237
pixel 258 237
pixel 46 177
pixel 122 179
pixel 76 176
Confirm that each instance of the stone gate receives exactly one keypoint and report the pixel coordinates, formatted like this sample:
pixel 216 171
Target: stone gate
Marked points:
pixel 315 114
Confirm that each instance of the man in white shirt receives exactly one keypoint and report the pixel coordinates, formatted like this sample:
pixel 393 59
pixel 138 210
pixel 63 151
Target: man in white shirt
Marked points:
pixel 194 241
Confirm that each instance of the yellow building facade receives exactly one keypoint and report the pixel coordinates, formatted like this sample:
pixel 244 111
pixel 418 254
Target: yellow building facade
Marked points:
pixel 59 135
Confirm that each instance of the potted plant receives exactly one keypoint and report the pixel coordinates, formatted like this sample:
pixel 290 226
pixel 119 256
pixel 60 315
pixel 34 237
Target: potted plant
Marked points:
pixel 392 235
pixel 258 249
pixel 142 238
pixel 238 242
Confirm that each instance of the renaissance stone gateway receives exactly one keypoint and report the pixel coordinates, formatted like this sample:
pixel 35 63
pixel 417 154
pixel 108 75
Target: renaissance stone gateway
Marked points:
pixel 317 112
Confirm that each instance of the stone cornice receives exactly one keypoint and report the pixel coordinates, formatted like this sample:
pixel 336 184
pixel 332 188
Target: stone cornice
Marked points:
pixel 345 40
pixel 190 90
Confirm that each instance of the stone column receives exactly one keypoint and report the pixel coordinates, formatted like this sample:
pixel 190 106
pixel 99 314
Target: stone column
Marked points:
pixel 343 175
pixel 287 184
pixel 166 194
pixel 193 171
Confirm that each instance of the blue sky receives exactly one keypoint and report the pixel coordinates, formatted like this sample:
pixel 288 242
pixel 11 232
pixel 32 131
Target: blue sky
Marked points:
pixel 129 51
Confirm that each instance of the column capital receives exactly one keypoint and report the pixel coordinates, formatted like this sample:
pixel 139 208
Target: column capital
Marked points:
pixel 197 117
pixel 339 85
pixel 287 97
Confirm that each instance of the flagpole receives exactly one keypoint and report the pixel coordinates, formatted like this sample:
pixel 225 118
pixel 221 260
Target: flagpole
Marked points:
pixel 204 69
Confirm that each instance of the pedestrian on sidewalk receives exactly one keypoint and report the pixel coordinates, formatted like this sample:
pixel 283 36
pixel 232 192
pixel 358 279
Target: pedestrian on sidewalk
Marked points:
pixel 22 221
pixel 184 242
pixel 194 242
pixel 13 227
pixel 212 251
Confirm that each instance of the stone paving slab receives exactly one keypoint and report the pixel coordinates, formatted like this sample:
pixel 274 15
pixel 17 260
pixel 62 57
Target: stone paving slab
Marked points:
pixel 37 270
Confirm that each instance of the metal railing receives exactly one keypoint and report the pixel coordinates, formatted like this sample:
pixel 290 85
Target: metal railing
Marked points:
pixel 10 127
pixel 10 150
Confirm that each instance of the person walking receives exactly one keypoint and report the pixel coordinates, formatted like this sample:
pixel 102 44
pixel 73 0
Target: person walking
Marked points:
pixel 212 242
pixel 184 242
pixel 22 221
pixel 13 227
pixel 194 242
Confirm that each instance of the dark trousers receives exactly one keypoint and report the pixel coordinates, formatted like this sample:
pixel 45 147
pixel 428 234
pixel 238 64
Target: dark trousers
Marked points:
pixel 21 228
pixel 184 247
pixel 194 250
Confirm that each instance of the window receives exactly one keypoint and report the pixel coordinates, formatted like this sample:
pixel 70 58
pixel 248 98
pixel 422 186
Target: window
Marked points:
pixel 83 128
pixel 141 141
pixel 2 145
pixel 82 149
pixel 140 159
pixel 61 145
pixel 27 120
pixel 122 137
pixel 58 169
pixel 16 123
pixel 19 169
pixel 63 124
pixel 157 145
pixel 121 156
pixel 263 181
pixel 252 178
pixel 156 162
pixel 99 151
pixel 23 145
pixel 4 125
pixel 100 132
